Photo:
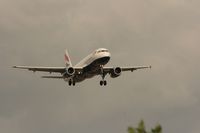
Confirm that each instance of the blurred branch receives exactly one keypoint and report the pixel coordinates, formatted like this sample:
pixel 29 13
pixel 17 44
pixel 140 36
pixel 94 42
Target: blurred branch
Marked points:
pixel 142 129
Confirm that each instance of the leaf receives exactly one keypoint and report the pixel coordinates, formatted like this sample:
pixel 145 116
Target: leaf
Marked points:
pixel 131 130
pixel 157 129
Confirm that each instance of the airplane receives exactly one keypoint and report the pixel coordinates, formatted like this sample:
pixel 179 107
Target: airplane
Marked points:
pixel 90 66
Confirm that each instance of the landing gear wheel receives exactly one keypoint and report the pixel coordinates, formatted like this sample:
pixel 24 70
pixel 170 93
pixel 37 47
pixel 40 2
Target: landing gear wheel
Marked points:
pixel 101 82
pixel 74 83
pixel 105 82
pixel 70 82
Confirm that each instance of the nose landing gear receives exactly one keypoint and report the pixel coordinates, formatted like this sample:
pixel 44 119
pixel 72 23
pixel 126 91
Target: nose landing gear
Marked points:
pixel 103 82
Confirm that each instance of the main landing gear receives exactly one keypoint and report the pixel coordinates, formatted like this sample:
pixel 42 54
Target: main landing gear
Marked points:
pixel 71 82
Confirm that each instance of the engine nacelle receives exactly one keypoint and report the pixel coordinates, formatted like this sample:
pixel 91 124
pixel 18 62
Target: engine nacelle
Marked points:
pixel 69 72
pixel 115 72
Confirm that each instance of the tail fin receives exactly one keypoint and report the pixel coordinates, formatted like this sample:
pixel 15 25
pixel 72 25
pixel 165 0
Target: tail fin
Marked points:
pixel 68 62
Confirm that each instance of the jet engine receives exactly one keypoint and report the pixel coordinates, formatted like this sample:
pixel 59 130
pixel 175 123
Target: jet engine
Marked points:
pixel 69 72
pixel 115 72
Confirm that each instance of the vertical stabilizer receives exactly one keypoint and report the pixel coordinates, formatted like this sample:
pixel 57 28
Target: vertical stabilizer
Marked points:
pixel 68 62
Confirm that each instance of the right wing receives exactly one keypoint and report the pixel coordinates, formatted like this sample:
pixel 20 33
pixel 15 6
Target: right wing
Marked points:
pixel 43 69
pixel 48 69
pixel 53 77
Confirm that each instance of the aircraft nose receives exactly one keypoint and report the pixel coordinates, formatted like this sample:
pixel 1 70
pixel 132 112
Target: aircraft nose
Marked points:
pixel 109 54
pixel 106 54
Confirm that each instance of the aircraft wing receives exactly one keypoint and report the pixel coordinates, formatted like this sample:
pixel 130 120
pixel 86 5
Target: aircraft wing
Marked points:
pixel 47 69
pixel 53 77
pixel 134 68
pixel 109 69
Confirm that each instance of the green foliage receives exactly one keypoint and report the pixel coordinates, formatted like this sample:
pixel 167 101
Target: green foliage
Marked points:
pixel 141 129
pixel 131 130
pixel 157 129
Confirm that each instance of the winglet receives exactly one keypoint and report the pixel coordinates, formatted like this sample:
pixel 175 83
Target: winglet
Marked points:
pixel 67 59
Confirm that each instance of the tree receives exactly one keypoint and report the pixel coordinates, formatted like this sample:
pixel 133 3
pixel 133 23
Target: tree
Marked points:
pixel 142 129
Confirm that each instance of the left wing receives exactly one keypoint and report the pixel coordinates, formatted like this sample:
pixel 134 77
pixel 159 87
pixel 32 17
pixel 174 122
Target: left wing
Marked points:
pixel 134 68
pixel 109 69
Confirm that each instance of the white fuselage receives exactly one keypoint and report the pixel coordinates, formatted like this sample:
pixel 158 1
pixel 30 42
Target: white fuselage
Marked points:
pixel 92 64
pixel 96 55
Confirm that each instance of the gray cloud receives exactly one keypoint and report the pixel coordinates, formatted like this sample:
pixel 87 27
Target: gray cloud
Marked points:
pixel 164 34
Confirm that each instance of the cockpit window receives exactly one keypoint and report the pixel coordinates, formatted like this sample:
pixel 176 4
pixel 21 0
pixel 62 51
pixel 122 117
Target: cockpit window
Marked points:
pixel 102 51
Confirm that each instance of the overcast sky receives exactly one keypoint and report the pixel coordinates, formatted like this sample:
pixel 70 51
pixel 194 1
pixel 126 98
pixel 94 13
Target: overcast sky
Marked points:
pixel 164 34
